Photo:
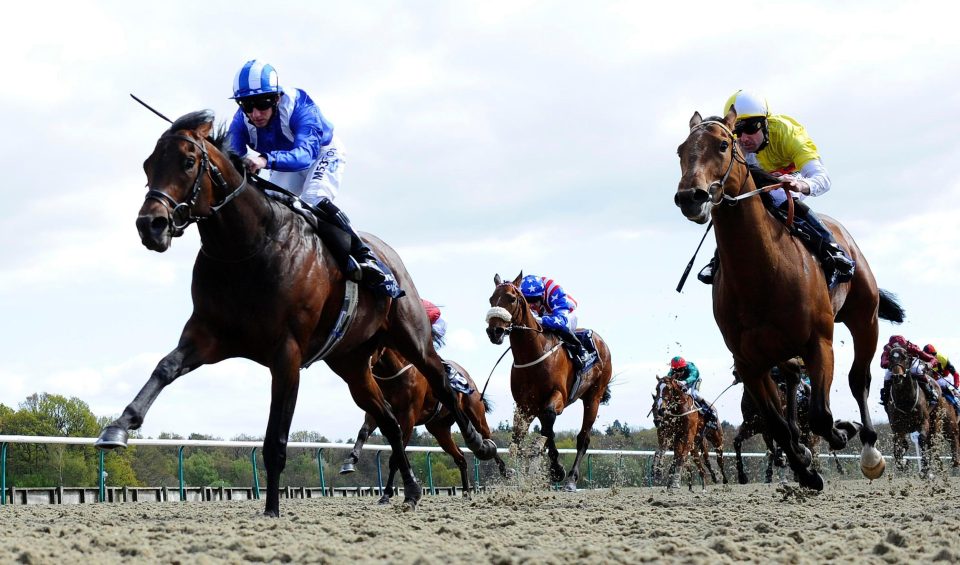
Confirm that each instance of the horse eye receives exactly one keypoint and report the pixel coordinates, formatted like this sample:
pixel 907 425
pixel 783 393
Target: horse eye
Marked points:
pixel 511 298
pixel 188 163
pixel 724 145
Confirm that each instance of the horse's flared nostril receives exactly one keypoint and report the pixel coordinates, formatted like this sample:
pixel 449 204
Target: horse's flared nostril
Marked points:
pixel 700 196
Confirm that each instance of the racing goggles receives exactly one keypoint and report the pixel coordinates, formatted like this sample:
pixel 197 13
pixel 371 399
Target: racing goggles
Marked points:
pixel 748 127
pixel 260 103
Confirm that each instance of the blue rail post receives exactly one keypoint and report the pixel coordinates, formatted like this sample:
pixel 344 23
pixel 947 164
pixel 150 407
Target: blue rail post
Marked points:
pixel 183 494
pixel 3 473
pixel 323 483
pixel 102 491
pixel 256 477
pixel 430 474
pixel 380 474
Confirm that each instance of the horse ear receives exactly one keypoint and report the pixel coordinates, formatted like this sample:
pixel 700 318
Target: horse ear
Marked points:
pixel 204 129
pixel 497 280
pixel 695 120
pixel 731 118
pixel 516 281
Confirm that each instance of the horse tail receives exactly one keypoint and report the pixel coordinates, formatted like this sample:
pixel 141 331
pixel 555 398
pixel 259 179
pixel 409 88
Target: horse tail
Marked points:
pixel 605 397
pixel 487 405
pixel 890 309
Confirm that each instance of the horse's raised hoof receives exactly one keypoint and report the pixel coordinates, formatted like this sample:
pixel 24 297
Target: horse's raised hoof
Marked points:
pixel 810 479
pixel 871 462
pixel 347 468
pixel 384 500
pixel 112 437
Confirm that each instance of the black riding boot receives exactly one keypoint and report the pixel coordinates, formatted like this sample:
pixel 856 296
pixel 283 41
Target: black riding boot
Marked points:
pixel 829 251
pixel 360 262
pixel 709 272
pixel 584 358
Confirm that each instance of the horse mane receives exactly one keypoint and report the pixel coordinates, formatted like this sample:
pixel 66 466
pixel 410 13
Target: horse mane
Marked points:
pixel 760 177
pixel 218 137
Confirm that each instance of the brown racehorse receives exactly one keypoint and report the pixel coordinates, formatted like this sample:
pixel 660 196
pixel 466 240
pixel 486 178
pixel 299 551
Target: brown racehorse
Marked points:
pixel 414 404
pixel 667 431
pixel 543 376
pixel 753 422
pixel 682 426
pixel 770 300
pixel 265 288
pixel 910 409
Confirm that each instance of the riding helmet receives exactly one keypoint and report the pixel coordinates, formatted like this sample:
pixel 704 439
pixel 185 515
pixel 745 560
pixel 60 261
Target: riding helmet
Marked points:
pixel 748 104
pixel 255 78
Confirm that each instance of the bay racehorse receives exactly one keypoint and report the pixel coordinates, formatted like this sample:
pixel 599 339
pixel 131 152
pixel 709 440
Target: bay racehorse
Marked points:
pixel 414 404
pixel 912 407
pixel 543 376
pixel 770 299
pixel 680 428
pixel 266 288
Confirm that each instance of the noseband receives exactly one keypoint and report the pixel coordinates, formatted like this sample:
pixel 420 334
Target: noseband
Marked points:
pixel 181 213
pixel 501 313
pixel 715 189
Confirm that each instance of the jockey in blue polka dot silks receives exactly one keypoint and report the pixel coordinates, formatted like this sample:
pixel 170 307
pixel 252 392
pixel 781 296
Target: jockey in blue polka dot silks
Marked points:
pixel 553 308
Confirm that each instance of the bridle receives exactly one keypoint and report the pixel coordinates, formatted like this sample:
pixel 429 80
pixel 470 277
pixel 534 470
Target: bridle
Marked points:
pixel 684 393
pixel 715 189
pixel 501 313
pixel 181 213
pixel 902 361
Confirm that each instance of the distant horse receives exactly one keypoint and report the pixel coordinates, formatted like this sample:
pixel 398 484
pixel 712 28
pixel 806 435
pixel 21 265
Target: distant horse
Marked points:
pixel 665 436
pixel 753 422
pixel 542 377
pixel 682 424
pixel 414 404
pixel 910 409
pixel 266 288
pixel 770 299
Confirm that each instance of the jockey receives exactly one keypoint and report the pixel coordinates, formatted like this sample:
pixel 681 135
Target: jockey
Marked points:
pixel 284 132
pixel 921 360
pixel 437 324
pixel 944 369
pixel 687 373
pixel 778 145
pixel 553 308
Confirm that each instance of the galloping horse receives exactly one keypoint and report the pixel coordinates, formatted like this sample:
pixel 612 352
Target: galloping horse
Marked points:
pixel 667 430
pixel 910 409
pixel 753 423
pixel 770 300
pixel 265 288
pixel 414 404
pixel 542 377
pixel 682 425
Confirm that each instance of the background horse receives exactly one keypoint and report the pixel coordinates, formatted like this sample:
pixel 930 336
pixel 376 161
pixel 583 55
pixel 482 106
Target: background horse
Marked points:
pixel 543 376
pixel 666 433
pixel 265 288
pixel 681 421
pixel 910 409
pixel 414 404
pixel 770 300
pixel 753 424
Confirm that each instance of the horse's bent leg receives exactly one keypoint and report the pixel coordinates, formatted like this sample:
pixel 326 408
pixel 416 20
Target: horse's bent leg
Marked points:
pixel 188 355
pixel 445 441
pixel 718 449
pixel 864 346
pixel 349 464
pixel 820 363
pixel 285 383
pixel 547 419
pixel 743 434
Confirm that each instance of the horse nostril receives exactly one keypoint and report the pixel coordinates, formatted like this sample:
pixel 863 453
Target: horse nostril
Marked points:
pixel 159 223
pixel 700 196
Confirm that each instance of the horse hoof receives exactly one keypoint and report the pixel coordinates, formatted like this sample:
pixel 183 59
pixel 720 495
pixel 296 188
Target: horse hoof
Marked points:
pixel 811 480
pixel 112 437
pixel 571 486
pixel 742 479
pixel 872 464
pixel 271 513
pixel 557 475
pixel 409 505
pixel 384 500
pixel 347 468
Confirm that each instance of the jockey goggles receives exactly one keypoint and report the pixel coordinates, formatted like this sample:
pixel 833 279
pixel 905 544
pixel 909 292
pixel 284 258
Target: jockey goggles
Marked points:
pixel 260 103
pixel 749 126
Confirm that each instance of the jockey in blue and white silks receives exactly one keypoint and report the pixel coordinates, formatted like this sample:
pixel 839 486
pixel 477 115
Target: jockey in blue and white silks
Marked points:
pixel 554 308
pixel 285 133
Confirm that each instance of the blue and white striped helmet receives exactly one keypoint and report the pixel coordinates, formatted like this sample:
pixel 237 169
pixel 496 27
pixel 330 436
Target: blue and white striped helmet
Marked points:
pixel 532 286
pixel 255 78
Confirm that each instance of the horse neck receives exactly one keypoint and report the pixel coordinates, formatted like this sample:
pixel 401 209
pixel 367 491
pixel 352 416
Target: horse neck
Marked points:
pixel 241 225
pixel 746 235
pixel 529 341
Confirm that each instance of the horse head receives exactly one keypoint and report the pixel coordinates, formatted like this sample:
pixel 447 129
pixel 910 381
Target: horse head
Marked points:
pixel 904 389
pixel 673 394
pixel 707 160
pixel 184 180
pixel 508 306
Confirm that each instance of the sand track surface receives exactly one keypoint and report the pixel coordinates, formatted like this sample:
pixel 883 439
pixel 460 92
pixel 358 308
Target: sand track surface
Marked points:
pixel 887 521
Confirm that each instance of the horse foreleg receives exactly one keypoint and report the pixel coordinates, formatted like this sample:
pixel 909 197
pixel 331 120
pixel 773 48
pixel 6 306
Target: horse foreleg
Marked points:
pixel 744 433
pixel 388 488
pixel 445 441
pixel 349 463
pixel 717 441
pixel 547 419
pixel 864 346
pixel 590 407
pixel 283 400
pixel 196 348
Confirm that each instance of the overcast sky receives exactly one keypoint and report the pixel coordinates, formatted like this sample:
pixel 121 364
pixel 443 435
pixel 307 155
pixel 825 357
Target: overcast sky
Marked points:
pixel 482 138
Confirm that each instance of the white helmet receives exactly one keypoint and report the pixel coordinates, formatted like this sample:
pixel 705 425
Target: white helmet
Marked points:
pixel 748 104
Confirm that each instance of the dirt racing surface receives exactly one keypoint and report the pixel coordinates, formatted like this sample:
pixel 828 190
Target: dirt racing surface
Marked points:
pixel 888 521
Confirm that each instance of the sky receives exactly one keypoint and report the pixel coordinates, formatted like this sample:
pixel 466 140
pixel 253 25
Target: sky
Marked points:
pixel 482 138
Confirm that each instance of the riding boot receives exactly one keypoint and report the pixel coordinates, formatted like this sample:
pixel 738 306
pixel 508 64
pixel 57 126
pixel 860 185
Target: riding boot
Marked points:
pixel 584 358
pixel 828 250
pixel 709 272
pixel 364 264
pixel 884 393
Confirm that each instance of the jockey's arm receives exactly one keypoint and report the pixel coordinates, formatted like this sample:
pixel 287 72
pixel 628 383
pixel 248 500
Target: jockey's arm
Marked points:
pixel 816 176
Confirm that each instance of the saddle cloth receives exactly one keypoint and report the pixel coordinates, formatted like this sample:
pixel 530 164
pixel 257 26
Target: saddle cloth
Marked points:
pixel 457 381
